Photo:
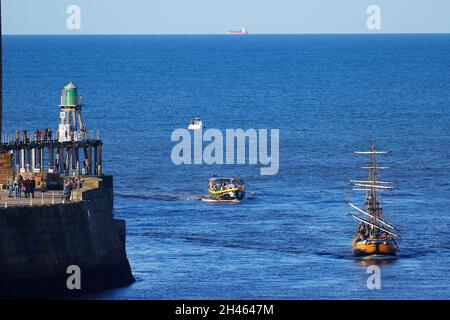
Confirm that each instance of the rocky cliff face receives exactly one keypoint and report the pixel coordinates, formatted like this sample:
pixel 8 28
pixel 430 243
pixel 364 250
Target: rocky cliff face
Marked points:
pixel 39 243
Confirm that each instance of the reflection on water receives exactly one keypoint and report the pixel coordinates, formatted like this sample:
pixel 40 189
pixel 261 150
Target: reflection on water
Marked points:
pixel 375 260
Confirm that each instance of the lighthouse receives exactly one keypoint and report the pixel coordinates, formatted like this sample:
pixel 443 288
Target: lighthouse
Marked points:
pixel 71 122
pixel 72 135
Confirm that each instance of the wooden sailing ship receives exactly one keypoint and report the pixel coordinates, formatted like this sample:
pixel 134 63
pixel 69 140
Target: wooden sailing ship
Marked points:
pixel 374 236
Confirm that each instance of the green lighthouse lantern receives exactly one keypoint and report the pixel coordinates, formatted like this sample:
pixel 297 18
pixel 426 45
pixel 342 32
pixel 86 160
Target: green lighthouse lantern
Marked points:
pixel 69 96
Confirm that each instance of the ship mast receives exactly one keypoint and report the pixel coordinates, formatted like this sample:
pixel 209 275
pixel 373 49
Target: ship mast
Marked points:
pixel 372 196
pixel 372 187
pixel 372 202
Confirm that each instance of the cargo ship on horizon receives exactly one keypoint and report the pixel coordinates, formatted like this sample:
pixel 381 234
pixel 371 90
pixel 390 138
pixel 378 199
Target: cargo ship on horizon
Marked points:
pixel 243 31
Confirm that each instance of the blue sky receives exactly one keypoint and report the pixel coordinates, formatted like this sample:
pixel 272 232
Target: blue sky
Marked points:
pixel 218 16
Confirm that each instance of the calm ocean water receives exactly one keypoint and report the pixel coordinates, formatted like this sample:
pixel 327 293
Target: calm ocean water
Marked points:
pixel 290 238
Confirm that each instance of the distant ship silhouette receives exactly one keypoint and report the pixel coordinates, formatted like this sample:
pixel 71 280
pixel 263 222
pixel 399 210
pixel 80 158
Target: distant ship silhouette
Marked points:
pixel 243 31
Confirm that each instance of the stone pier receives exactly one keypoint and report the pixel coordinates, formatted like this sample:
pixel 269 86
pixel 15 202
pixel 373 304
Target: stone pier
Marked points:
pixel 38 244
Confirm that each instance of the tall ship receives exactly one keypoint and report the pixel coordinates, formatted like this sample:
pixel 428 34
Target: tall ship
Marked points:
pixel 374 235
pixel 243 31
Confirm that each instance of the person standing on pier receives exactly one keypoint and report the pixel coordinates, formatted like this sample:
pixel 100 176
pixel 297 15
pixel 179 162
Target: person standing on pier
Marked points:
pixel 10 187
pixel 20 186
pixel 16 188
pixel 32 184
pixel 48 134
pixel 26 187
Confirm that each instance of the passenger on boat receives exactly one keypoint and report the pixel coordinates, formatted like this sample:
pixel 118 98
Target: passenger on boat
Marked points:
pixel 361 234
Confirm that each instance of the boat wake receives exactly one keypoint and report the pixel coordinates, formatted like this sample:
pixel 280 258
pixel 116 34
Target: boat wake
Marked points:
pixel 239 245
pixel 177 197
pixel 132 196
pixel 408 253
pixel 335 255
pixel 209 200
pixel 162 196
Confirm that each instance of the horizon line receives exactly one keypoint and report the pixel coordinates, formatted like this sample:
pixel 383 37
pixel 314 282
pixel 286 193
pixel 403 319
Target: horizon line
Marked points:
pixel 221 34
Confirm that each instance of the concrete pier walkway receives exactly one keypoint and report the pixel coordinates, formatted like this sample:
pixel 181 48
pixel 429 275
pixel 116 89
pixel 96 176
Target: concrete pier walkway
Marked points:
pixel 40 198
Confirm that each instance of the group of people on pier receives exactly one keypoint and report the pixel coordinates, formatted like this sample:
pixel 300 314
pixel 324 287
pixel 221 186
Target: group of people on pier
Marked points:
pixel 71 184
pixel 19 185
pixel 43 135
pixel 39 135
pixel 27 186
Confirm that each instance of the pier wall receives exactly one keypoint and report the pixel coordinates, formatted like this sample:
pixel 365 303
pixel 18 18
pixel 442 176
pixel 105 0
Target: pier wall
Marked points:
pixel 38 243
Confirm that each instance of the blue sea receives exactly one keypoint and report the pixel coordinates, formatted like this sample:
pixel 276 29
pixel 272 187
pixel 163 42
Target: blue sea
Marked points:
pixel 291 237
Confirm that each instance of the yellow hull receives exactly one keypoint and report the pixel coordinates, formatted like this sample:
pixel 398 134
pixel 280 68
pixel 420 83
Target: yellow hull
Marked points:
pixel 374 247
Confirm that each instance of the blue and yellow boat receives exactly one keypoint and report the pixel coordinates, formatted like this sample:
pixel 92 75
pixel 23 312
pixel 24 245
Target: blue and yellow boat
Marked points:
pixel 225 189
